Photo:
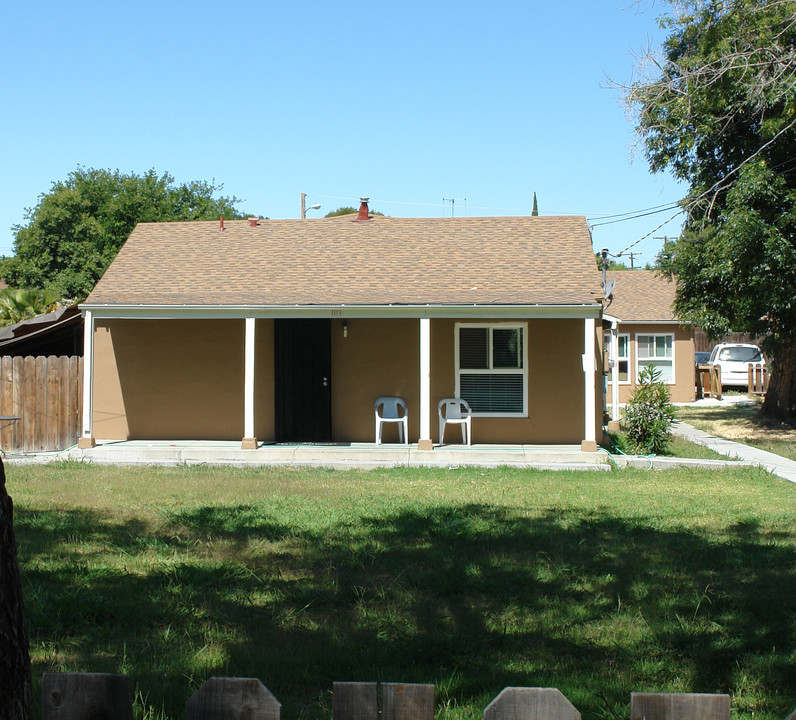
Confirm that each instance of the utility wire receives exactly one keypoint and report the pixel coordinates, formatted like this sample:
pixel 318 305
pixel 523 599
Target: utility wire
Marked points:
pixel 640 214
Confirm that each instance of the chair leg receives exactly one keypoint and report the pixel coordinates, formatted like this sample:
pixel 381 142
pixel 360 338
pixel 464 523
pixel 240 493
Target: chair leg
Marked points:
pixel 378 433
pixel 464 433
pixel 441 431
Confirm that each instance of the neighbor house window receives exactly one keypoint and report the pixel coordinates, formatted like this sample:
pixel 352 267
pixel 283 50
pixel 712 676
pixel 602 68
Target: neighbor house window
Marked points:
pixel 491 368
pixel 657 351
pixel 622 355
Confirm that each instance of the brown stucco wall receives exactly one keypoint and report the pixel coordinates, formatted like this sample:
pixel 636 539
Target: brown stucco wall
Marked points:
pixel 168 379
pixel 683 388
pixel 378 357
pixel 178 379
pixel 555 385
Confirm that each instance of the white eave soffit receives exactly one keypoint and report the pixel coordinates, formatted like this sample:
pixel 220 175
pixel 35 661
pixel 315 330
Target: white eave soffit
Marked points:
pixel 166 312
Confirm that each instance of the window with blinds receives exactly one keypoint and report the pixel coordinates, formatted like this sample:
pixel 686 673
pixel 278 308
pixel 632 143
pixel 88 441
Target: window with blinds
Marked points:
pixel 491 373
pixel 656 351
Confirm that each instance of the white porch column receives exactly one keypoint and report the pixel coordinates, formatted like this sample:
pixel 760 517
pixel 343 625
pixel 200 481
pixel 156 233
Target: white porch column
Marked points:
pixel 424 442
pixel 87 434
pixel 589 443
pixel 249 442
pixel 615 371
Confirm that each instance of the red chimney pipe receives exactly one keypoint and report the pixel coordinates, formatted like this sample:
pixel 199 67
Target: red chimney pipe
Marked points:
pixel 362 216
pixel 253 221
pixel 221 223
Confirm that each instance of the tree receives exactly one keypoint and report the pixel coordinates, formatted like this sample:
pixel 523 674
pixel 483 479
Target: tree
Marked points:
pixel 609 264
pixel 535 210
pixel 19 304
pixel 77 228
pixel 15 680
pixel 346 210
pixel 719 112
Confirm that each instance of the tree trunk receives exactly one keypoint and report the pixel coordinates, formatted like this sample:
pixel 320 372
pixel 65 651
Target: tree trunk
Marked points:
pixel 780 399
pixel 15 691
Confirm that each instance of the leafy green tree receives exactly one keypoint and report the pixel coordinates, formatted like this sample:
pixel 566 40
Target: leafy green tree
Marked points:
pixel 609 264
pixel 346 210
pixel 719 112
pixel 77 228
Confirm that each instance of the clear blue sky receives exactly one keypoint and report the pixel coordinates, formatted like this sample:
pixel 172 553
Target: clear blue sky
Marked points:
pixel 406 102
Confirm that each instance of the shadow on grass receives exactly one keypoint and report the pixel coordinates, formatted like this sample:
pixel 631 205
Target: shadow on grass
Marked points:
pixel 472 598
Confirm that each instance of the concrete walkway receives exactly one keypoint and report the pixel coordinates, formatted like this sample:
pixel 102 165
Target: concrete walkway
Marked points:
pixel 775 464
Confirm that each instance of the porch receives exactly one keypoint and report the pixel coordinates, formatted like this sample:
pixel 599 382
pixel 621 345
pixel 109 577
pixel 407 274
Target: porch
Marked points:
pixel 364 456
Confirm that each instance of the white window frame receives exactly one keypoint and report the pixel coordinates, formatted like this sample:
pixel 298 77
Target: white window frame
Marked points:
pixel 523 326
pixel 620 358
pixel 642 362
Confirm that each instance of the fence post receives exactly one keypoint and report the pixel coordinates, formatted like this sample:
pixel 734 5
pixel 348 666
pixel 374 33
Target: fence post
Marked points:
pixel 85 696
pixel 715 381
pixel 407 701
pixel 354 701
pixel 757 379
pixel 521 703
pixel 679 706
pixel 233 699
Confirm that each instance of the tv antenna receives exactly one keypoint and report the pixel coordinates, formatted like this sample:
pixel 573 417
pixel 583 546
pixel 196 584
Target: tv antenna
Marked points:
pixel 451 203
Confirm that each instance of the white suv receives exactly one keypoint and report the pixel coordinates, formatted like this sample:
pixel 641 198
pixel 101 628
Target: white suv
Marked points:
pixel 734 360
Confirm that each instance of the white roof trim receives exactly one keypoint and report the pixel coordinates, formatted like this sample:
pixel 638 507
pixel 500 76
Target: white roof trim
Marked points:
pixel 649 322
pixel 166 312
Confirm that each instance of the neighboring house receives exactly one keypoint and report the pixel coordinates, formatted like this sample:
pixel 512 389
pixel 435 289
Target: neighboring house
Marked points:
pixel 59 332
pixel 641 327
pixel 288 330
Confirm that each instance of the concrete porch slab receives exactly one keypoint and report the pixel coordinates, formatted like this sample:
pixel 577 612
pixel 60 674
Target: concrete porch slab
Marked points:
pixel 344 456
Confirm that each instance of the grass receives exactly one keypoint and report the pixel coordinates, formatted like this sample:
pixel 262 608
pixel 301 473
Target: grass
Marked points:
pixel 678 447
pixel 599 584
pixel 743 423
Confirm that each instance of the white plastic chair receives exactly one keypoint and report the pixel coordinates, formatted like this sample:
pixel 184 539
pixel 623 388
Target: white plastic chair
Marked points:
pixel 458 411
pixel 390 413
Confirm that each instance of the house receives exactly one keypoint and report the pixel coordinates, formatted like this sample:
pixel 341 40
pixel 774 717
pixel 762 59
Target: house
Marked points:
pixel 641 329
pixel 59 332
pixel 288 330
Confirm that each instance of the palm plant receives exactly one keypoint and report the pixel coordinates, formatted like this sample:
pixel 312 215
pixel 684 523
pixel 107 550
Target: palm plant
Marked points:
pixel 18 304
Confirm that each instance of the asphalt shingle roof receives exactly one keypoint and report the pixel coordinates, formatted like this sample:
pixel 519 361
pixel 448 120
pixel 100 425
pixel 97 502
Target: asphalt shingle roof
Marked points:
pixel 336 261
pixel 641 296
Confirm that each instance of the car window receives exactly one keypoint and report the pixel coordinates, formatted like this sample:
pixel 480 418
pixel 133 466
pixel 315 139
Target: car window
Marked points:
pixel 740 354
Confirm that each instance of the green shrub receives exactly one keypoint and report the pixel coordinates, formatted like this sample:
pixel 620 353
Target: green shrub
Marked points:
pixel 649 414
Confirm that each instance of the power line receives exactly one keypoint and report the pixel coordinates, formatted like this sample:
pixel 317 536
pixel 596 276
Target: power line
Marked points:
pixel 640 214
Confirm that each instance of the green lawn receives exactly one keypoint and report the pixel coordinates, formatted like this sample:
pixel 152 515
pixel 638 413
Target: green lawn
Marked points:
pixel 597 583
pixel 743 423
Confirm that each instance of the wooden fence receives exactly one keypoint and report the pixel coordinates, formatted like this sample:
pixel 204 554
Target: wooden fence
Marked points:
pixel 46 394
pixel 87 696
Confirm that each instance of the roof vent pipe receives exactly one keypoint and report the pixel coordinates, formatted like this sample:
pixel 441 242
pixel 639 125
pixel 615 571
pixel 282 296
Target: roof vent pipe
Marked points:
pixel 363 210
pixel 253 221
pixel 221 223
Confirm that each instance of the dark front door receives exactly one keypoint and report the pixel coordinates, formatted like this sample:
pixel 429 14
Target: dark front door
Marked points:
pixel 303 363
